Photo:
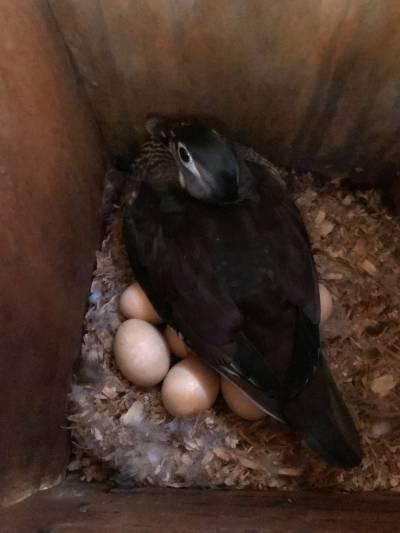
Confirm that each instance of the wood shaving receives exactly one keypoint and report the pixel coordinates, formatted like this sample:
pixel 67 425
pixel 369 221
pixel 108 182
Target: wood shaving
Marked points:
pixel 124 432
pixel 383 385
pixel 369 267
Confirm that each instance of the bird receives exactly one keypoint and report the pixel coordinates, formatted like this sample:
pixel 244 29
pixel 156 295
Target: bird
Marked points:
pixel 222 252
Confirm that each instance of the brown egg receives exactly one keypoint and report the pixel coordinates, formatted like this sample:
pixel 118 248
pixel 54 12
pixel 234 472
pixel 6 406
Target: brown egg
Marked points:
pixel 135 304
pixel 326 302
pixel 238 402
pixel 189 388
pixel 141 353
pixel 176 343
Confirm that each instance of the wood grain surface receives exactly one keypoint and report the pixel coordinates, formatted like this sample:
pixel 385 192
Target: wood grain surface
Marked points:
pixel 311 83
pixel 51 172
pixel 82 508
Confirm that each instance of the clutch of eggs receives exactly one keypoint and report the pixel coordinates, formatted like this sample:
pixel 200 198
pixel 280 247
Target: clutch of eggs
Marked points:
pixel 238 402
pixel 176 343
pixel 326 302
pixel 135 304
pixel 142 355
pixel 189 388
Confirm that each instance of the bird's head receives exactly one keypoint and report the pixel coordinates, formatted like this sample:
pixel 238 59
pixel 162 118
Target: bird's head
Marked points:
pixel 208 167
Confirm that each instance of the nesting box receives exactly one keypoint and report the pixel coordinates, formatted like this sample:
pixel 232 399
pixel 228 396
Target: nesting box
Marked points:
pixel 313 85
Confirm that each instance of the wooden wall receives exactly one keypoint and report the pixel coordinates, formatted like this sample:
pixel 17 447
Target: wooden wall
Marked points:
pixel 314 83
pixel 51 172
pixel 90 508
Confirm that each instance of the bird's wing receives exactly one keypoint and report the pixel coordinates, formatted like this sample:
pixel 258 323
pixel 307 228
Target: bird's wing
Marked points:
pixel 232 280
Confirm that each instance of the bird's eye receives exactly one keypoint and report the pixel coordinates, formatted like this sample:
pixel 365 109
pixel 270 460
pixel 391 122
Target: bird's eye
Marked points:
pixel 187 160
pixel 183 154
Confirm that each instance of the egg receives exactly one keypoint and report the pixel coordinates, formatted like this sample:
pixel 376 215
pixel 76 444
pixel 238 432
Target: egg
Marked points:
pixel 238 402
pixel 189 388
pixel 135 304
pixel 141 353
pixel 176 343
pixel 326 302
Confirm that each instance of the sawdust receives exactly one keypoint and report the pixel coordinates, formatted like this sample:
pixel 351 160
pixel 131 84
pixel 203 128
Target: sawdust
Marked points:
pixel 122 431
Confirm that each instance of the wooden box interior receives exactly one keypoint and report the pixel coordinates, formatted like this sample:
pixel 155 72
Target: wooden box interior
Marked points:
pixel 313 84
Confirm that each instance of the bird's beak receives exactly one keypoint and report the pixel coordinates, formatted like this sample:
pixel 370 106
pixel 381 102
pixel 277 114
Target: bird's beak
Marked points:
pixel 182 180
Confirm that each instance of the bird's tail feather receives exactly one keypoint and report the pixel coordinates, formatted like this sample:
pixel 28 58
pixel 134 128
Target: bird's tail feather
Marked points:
pixel 319 413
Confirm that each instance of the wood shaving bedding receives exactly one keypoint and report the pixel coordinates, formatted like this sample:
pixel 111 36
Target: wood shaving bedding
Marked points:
pixel 122 431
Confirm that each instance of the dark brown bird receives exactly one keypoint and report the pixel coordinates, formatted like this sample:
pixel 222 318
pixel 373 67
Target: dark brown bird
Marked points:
pixel 224 256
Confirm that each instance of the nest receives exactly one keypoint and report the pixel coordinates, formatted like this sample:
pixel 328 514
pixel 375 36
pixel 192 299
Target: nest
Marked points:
pixel 122 431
